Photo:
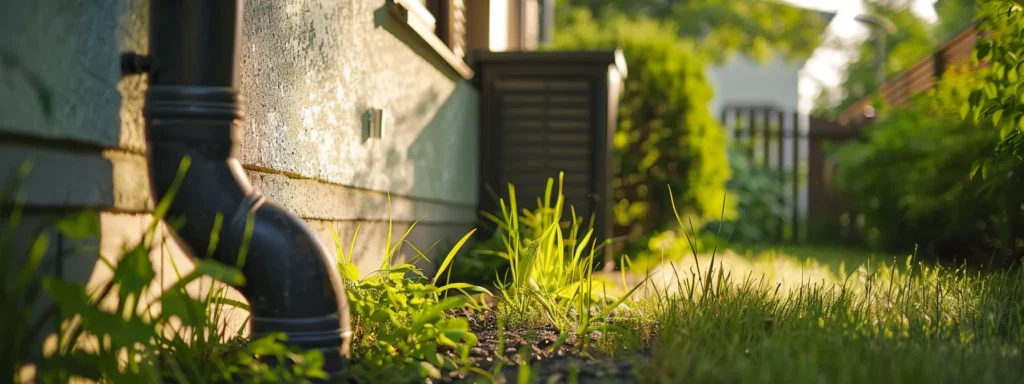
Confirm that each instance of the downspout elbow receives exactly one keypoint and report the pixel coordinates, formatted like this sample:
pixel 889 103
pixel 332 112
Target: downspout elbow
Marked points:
pixel 193 110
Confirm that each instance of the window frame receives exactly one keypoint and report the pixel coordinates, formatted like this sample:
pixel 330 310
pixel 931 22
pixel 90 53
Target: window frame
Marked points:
pixel 416 15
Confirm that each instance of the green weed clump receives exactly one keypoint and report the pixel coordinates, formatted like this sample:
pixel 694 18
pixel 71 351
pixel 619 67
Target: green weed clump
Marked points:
pixel 551 260
pixel 404 326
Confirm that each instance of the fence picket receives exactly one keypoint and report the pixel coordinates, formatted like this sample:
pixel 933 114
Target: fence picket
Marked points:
pixel 758 130
pixel 781 166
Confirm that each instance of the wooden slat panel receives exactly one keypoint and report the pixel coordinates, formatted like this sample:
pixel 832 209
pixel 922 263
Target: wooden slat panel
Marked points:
pixel 513 84
pixel 576 163
pixel 570 85
pixel 578 102
pixel 540 176
pixel 569 125
pixel 582 192
pixel 573 113
pixel 524 136
pixel 520 112
pixel 539 100
pixel 546 129
pixel 536 166
pixel 518 124
pixel 569 152
pixel 556 165
pixel 580 98
pixel 577 138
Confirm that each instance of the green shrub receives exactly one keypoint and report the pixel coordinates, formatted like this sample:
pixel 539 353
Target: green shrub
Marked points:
pixel 758 195
pixel 912 178
pixel 998 97
pixel 666 134
pixel 550 253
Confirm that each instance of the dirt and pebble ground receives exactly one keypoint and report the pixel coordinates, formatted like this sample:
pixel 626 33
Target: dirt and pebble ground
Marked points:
pixel 537 347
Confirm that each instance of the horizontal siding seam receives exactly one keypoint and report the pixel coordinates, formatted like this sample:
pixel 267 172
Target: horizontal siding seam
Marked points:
pixel 122 154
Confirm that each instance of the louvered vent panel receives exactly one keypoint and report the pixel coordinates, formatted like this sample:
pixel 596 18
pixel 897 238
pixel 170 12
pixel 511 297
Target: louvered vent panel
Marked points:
pixel 545 128
pixel 542 113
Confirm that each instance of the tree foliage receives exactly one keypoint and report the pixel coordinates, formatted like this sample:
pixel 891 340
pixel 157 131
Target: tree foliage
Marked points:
pixel 999 97
pixel 954 16
pixel 666 135
pixel 756 28
pixel 928 176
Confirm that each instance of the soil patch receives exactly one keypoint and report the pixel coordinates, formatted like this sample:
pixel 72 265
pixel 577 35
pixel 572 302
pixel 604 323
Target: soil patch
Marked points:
pixel 537 347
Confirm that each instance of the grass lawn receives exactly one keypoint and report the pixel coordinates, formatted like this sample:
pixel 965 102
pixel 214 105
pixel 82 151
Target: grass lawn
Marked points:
pixel 743 315
pixel 797 314
pixel 912 323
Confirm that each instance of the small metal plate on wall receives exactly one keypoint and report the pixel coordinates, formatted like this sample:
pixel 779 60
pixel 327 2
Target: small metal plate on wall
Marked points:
pixel 373 124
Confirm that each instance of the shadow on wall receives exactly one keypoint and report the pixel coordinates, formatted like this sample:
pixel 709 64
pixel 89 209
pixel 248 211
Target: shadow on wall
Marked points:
pixel 434 149
pixel 437 148
pixel 460 107
pixel 62 111
pixel 437 142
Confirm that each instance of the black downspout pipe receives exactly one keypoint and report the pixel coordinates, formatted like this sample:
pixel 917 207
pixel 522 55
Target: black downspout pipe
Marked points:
pixel 193 110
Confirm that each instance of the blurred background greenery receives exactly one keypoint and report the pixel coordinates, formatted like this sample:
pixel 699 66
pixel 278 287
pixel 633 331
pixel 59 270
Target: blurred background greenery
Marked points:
pixel 922 177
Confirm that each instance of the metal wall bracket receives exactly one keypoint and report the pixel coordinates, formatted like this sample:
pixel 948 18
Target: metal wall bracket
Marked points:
pixel 133 63
pixel 373 124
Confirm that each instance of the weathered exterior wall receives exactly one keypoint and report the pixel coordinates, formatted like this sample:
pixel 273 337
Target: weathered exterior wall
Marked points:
pixel 309 70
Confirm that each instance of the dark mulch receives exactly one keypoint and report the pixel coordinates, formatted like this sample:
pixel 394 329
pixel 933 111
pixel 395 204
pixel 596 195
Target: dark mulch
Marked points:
pixel 537 348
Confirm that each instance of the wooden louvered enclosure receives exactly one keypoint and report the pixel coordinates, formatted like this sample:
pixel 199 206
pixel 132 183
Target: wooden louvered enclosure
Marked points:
pixel 548 112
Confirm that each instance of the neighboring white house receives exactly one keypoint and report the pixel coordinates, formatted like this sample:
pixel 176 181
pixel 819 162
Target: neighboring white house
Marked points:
pixel 744 81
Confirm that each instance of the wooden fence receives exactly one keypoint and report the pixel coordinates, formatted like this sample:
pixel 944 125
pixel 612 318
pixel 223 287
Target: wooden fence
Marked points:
pixel 919 77
pixel 796 147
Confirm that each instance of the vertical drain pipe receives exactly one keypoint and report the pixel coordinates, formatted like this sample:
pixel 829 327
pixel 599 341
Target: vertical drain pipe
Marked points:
pixel 193 110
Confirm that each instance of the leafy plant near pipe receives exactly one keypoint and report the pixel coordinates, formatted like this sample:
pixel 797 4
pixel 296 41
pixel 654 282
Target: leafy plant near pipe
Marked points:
pixel 174 337
pixel 179 338
pixel 402 318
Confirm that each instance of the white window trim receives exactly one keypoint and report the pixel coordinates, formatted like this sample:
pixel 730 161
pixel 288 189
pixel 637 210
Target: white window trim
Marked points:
pixel 414 15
